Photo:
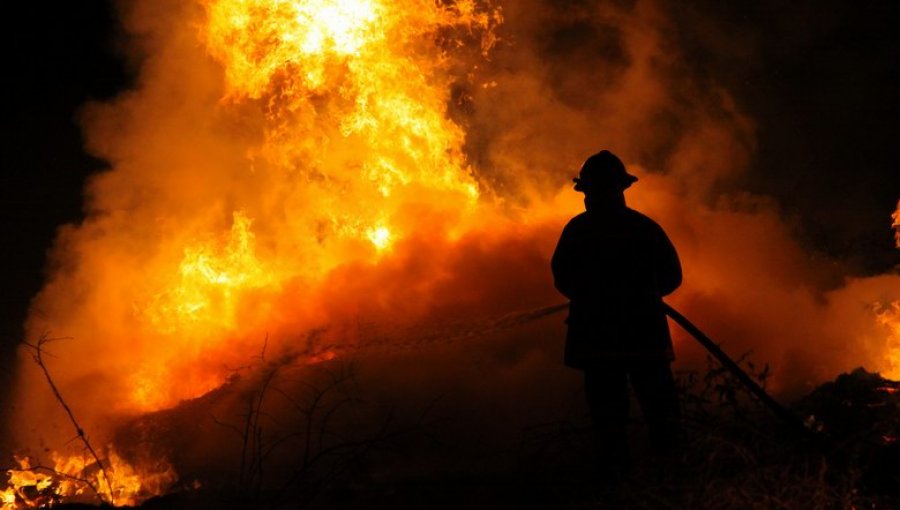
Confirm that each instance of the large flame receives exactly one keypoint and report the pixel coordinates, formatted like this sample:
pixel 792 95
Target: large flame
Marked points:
pixel 355 138
pixel 352 152
pixel 347 150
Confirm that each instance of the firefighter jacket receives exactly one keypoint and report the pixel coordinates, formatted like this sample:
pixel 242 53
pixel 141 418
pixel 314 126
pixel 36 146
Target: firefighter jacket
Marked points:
pixel 615 267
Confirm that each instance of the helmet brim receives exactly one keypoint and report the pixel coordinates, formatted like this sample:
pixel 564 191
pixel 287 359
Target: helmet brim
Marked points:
pixel 624 183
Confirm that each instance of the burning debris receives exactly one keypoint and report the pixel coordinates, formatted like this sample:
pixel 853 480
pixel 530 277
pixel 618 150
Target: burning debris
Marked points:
pixel 860 412
pixel 858 406
pixel 81 479
pixel 896 224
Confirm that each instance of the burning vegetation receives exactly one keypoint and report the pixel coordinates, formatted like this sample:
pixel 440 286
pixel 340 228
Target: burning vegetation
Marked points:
pixel 345 176
pixel 896 224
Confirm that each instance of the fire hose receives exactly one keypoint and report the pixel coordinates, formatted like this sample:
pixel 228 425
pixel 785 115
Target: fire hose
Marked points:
pixel 457 331
pixel 790 419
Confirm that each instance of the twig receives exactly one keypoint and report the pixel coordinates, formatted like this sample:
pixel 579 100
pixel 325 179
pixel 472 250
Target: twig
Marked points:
pixel 38 358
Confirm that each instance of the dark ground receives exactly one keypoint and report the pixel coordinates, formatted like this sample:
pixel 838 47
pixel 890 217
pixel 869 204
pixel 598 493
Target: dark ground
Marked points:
pixel 735 455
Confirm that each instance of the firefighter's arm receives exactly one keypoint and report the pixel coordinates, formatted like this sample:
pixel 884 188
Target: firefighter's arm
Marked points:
pixel 563 265
pixel 668 266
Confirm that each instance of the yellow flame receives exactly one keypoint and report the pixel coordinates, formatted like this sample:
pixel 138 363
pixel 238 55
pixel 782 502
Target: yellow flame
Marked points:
pixel 380 237
pixel 33 487
pixel 210 277
pixel 8 498
pixel 358 76
pixel 353 152
pixel 889 317
pixel 356 149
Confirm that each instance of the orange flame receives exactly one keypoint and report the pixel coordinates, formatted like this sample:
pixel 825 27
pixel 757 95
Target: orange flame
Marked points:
pixel 356 138
pixel 71 477
pixel 354 152
pixel 889 318
pixel 347 150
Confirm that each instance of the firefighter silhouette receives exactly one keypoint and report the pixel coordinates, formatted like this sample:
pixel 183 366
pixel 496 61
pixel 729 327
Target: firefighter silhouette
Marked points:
pixel 614 265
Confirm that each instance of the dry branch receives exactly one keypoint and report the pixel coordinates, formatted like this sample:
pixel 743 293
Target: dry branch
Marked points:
pixel 38 356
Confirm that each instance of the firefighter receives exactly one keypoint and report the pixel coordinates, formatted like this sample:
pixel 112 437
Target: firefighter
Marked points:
pixel 615 265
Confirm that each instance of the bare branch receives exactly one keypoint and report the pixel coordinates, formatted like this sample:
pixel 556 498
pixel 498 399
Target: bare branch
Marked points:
pixel 38 357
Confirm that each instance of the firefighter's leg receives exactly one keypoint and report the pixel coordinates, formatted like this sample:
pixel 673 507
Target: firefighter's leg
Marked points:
pixel 606 389
pixel 655 389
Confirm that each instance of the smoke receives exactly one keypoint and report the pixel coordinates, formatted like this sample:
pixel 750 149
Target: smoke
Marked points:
pixel 202 240
pixel 596 75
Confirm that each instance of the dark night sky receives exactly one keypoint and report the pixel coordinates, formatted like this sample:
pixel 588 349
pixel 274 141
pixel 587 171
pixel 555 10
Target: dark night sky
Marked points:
pixel 55 59
pixel 820 79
